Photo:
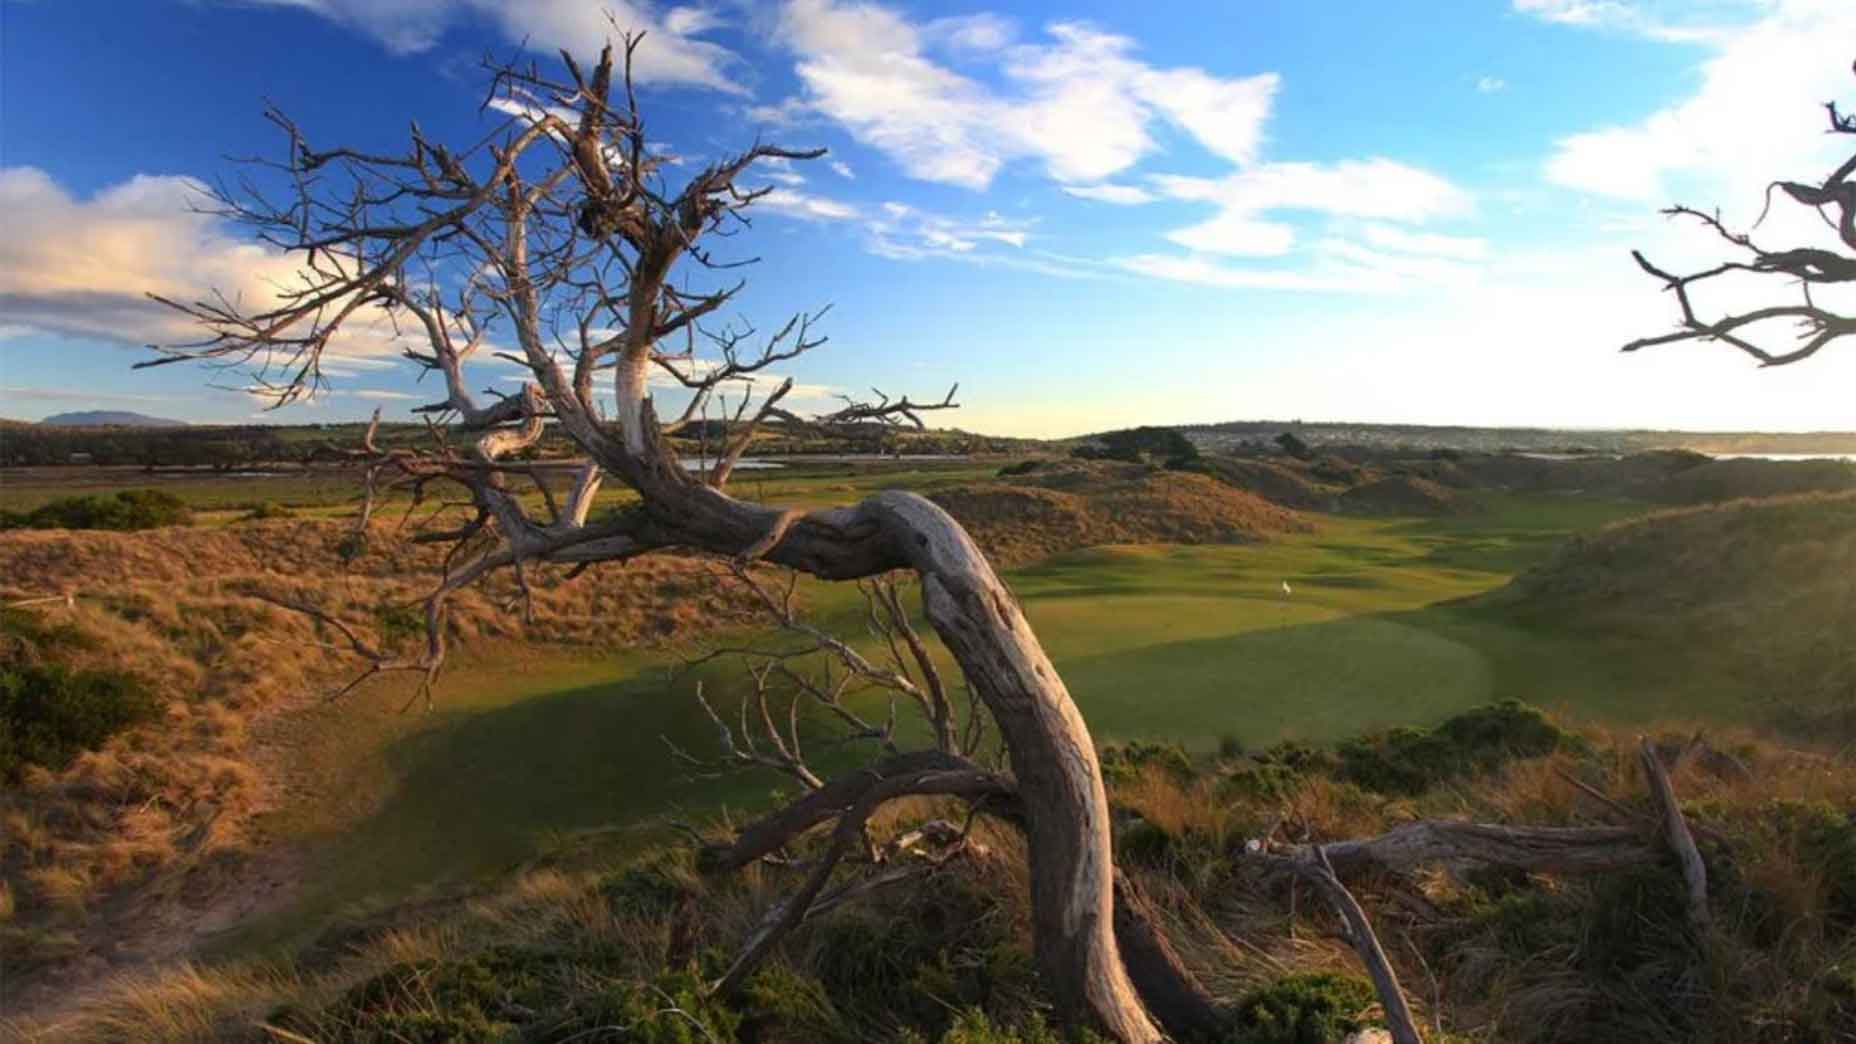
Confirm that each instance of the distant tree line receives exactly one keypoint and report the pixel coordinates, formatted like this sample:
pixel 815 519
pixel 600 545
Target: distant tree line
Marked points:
pixel 229 448
pixel 26 445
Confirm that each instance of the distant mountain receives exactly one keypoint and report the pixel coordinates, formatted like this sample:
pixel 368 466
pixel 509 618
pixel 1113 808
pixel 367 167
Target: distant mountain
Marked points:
pixel 116 418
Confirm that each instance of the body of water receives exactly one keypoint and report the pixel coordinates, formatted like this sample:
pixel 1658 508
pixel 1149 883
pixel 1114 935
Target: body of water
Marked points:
pixel 1784 456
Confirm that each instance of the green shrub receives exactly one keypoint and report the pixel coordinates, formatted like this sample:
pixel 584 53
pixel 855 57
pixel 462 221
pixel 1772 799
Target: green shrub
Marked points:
pixel 50 713
pixel 1144 841
pixel 783 1004
pixel 1260 780
pixel 1303 1009
pixel 1276 772
pixel 644 889
pixel 26 634
pixel 1411 760
pixel 1826 844
pixel 1135 445
pixel 973 1027
pixel 675 1009
pixel 938 951
pixel 267 509
pixel 351 547
pixel 510 993
pixel 1293 445
pixel 129 509
pixel 399 623
pixel 1123 763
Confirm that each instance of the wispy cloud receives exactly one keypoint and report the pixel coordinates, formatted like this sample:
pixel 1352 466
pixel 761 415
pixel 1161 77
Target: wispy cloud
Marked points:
pixel 1490 84
pixel 1124 195
pixel 43 394
pixel 1249 201
pixel 806 205
pixel 671 54
pixel 1462 248
pixel 1077 101
pixel 1757 113
pixel 901 230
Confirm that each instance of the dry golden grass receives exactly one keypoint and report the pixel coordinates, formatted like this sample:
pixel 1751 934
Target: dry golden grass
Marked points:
pixel 1451 932
pixel 1073 504
pixel 177 796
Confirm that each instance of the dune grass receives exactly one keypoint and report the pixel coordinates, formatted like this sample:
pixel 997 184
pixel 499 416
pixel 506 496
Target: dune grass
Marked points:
pixel 1188 644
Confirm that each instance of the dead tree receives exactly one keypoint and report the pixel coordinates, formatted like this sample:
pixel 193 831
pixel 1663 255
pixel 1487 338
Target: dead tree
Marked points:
pixel 553 245
pixel 1813 324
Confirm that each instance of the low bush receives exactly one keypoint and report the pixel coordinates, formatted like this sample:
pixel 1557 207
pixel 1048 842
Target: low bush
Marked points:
pixel 1303 1009
pixel 267 509
pixel 1412 760
pixel 50 713
pixel 512 993
pixel 1122 763
pixel 129 509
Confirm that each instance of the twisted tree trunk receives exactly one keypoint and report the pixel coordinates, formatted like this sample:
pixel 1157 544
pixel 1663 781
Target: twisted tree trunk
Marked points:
pixel 1053 758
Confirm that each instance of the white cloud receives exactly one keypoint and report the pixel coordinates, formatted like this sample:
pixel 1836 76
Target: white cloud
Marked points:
pixel 1757 115
pixel 787 112
pixel 1078 102
pixel 533 112
pixel 1574 12
pixel 1673 23
pixel 671 52
pixel 1373 188
pixel 1377 269
pixel 84 268
pixel 976 33
pixel 1490 84
pixel 780 170
pixel 907 232
pixel 843 170
pixel 29 392
pixel 1337 266
pixel 379 395
pixel 1462 248
pixel 690 21
pixel 1125 195
pixel 1206 272
pixel 803 205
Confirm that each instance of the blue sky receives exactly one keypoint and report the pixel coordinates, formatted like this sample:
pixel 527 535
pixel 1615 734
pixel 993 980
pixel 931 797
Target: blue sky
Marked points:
pixel 1088 214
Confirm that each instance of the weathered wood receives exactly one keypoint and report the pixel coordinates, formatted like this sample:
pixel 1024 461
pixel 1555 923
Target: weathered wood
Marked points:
pixel 1537 849
pixel 770 833
pixel 1676 834
pixel 1320 871
pixel 1053 759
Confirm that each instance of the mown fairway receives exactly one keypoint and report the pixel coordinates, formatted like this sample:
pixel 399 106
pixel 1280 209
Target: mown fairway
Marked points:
pixel 1190 644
